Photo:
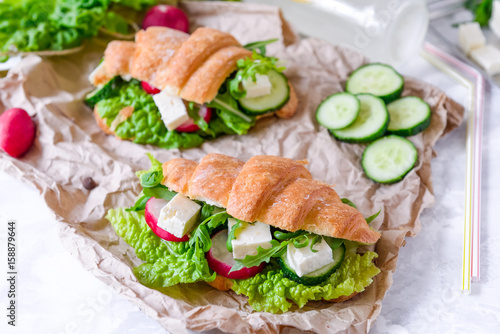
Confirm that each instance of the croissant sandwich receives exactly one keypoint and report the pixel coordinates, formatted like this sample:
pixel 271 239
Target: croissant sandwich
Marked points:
pixel 264 229
pixel 176 90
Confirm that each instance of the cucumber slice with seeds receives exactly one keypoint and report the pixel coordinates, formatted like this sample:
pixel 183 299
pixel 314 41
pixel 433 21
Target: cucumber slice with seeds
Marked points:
pixel 409 116
pixel 370 124
pixel 338 111
pixel 389 159
pixel 317 276
pixel 280 94
pixel 378 79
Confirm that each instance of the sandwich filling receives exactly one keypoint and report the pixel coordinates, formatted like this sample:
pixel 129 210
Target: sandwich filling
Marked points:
pixel 190 241
pixel 136 110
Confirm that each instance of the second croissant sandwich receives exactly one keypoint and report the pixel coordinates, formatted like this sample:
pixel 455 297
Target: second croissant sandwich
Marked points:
pixel 263 228
pixel 175 90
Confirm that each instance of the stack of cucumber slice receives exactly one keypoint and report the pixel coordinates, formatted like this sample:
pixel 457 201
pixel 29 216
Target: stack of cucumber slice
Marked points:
pixel 371 108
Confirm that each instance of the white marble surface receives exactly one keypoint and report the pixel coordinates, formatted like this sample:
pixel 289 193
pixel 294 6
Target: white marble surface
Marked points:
pixel 56 295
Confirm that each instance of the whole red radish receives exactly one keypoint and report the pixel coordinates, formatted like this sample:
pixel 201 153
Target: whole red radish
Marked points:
pixel 17 132
pixel 152 90
pixel 152 213
pixel 166 16
pixel 189 126
pixel 221 260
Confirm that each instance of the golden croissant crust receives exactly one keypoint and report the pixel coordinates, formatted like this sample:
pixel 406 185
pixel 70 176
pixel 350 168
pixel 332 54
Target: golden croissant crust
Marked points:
pixel 273 190
pixel 192 67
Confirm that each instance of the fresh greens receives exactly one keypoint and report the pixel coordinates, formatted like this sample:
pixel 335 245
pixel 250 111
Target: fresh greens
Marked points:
pixel 270 291
pixel 231 235
pixel 248 68
pixel 372 217
pixel 260 46
pixel 145 126
pixel 481 9
pixel 166 263
pixel 348 202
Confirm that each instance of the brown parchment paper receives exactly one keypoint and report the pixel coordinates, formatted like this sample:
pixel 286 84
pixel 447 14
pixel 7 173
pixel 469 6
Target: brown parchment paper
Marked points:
pixel 69 147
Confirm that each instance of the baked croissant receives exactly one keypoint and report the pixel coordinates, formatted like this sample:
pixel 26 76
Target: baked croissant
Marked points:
pixel 192 67
pixel 274 190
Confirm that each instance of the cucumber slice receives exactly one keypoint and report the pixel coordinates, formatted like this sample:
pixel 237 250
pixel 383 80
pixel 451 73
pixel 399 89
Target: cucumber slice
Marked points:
pixel 104 92
pixel 280 93
pixel 389 159
pixel 409 116
pixel 370 124
pixel 316 276
pixel 338 111
pixel 378 79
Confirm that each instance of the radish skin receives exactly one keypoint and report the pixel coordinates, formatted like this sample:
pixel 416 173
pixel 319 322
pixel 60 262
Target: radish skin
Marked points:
pixel 189 126
pixel 221 260
pixel 152 213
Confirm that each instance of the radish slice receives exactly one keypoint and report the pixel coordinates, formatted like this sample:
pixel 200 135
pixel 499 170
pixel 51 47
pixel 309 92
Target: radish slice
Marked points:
pixel 149 89
pixel 166 16
pixel 153 208
pixel 221 260
pixel 189 126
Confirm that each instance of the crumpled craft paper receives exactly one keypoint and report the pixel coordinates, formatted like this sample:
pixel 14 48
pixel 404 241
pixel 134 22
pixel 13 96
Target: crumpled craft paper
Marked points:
pixel 69 147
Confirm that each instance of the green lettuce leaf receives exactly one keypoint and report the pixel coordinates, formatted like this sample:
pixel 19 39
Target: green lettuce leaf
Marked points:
pixel 270 291
pixel 167 263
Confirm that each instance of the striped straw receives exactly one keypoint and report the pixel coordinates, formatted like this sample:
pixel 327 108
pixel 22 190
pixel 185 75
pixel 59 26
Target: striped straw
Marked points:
pixel 472 219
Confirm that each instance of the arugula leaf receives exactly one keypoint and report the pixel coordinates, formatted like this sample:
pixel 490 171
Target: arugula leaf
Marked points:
pixel 282 235
pixel 159 191
pixel 193 112
pixel 140 204
pixel 227 103
pixel 481 9
pixel 249 68
pixel 231 236
pixel 200 238
pixel 348 202
pixel 263 255
pixel 372 217
pixel 260 45
pixel 153 176
pixel 334 243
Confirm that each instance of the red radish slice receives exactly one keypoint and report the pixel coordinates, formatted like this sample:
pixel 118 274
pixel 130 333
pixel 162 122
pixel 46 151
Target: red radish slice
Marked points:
pixel 153 208
pixel 221 260
pixel 17 132
pixel 149 89
pixel 189 126
pixel 166 16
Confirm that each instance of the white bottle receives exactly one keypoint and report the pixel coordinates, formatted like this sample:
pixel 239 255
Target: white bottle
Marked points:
pixel 389 31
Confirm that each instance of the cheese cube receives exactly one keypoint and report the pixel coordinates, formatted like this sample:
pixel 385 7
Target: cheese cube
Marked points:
pixel 249 237
pixel 495 18
pixel 172 109
pixel 179 215
pixel 487 57
pixel 261 87
pixel 470 37
pixel 303 261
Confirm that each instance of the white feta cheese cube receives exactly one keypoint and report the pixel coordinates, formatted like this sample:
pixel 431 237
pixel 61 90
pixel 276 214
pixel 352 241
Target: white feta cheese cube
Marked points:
pixel 487 57
pixel 495 18
pixel 303 261
pixel 172 109
pixel 261 87
pixel 249 237
pixel 179 215
pixel 470 37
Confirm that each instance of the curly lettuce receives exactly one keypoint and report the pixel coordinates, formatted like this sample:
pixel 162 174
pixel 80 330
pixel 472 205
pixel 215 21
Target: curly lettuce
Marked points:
pixel 271 291
pixel 145 126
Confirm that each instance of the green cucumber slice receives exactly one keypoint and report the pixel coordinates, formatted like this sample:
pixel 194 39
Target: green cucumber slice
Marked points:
pixel 280 93
pixel 104 92
pixel 409 115
pixel 378 79
pixel 389 159
pixel 338 111
pixel 316 276
pixel 370 124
